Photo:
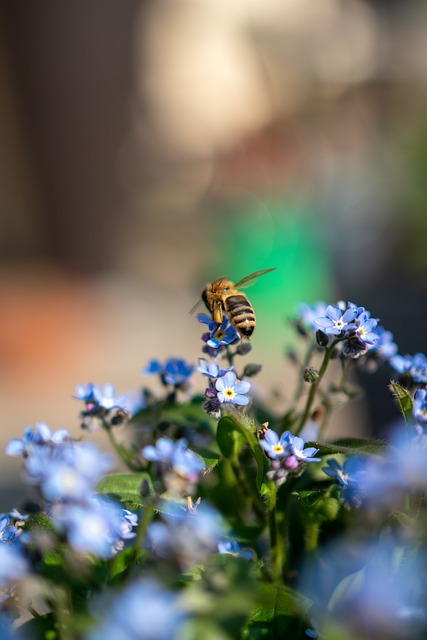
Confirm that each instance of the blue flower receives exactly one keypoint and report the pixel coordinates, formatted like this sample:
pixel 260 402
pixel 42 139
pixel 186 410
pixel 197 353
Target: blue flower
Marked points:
pixel 177 457
pixel 350 478
pixel 365 329
pixel 385 347
pixel 274 446
pixel 91 527
pixel 230 390
pixel 222 334
pixel 41 435
pixel 103 407
pixel 296 446
pixel 8 532
pixel 419 409
pixel 309 314
pixel 211 369
pixel 175 371
pixel 13 564
pixel 68 471
pixel 414 367
pixel 232 548
pixel 186 463
pixel 187 536
pixel 161 452
pixel 219 334
pixel 104 398
pixel 143 610
pixel 336 322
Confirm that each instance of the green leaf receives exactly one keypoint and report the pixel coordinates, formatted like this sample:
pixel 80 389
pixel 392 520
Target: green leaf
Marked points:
pixel 277 613
pixel 403 399
pixel 124 487
pixel 210 458
pixel 244 425
pixel 352 447
pixel 225 436
pixel 318 506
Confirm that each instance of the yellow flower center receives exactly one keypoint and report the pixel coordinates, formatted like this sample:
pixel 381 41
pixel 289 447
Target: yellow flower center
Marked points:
pixel 278 448
pixel 229 393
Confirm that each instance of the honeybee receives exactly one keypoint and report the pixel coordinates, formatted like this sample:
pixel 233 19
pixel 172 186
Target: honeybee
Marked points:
pixel 222 296
pixel 261 431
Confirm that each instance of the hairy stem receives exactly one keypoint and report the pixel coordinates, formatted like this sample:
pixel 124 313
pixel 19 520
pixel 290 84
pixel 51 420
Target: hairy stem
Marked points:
pixel 314 387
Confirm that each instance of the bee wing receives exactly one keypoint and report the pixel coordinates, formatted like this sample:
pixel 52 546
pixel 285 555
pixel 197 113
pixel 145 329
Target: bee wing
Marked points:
pixel 252 278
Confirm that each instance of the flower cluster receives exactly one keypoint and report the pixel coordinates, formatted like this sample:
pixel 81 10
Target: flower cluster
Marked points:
pixel 287 454
pixel 413 369
pixel 187 536
pixel 143 610
pixel 66 472
pixel 179 467
pixel 350 325
pixel 102 407
pixel 153 564
pixel 225 388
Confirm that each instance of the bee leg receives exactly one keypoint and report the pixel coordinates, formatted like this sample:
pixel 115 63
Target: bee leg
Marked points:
pixel 217 313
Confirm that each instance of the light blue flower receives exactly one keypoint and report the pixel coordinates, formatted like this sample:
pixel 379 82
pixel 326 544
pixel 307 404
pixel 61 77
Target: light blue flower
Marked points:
pixel 308 314
pixel 100 397
pixel 296 447
pixel 231 547
pixel 419 408
pixel 68 471
pixel 275 446
pixel 186 463
pixel 176 456
pixel 160 452
pixel 414 367
pixel 231 390
pixel 187 536
pixel 8 532
pixel 143 610
pixel 40 435
pixel 385 347
pixel 13 564
pixel 92 527
pixel 365 329
pixel 211 369
pixel 336 322
pixel 351 478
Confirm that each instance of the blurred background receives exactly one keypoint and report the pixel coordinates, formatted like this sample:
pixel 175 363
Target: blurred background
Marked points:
pixel 148 147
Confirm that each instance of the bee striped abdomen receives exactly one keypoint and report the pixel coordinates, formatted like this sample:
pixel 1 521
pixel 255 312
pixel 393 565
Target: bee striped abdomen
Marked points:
pixel 240 313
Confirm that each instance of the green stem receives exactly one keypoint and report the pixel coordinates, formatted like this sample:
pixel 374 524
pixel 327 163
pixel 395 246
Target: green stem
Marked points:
pixel 121 451
pixel 63 614
pixel 276 543
pixel 311 536
pixel 229 355
pixel 253 496
pixel 314 387
pixel 303 366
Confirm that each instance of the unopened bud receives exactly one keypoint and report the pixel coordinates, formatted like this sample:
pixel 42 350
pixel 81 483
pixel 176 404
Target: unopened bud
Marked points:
pixel 244 348
pixel 322 338
pixel 251 370
pixel 310 375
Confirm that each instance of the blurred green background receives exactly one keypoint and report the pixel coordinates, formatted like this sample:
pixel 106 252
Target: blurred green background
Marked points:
pixel 151 146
